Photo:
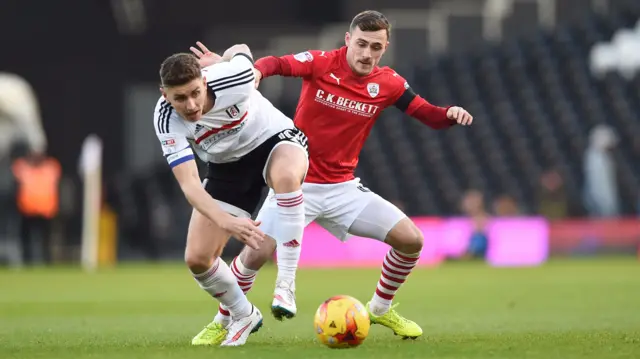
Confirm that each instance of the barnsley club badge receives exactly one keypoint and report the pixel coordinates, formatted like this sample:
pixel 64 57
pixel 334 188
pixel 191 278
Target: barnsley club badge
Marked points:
pixel 373 89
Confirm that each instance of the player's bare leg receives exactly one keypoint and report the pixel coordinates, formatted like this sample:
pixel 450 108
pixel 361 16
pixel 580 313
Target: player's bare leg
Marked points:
pixel 406 242
pixel 205 242
pixel 284 222
pixel 382 220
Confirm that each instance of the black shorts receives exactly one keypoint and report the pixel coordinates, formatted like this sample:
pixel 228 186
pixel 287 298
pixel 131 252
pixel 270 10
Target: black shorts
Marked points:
pixel 240 184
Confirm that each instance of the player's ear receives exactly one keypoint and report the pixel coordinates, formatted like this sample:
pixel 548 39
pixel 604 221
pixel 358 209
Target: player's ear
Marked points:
pixel 386 46
pixel 347 37
pixel 164 94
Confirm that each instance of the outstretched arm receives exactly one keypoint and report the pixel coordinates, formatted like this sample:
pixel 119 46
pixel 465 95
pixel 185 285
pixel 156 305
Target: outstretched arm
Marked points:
pixel 245 230
pixel 433 116
pixel 172 135
pixel 300 65
pixel 437 117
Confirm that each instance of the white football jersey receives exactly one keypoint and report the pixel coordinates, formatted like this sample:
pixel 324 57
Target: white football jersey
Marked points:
pixel 241 118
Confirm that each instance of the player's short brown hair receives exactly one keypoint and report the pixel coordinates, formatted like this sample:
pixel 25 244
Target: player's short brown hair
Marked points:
pixel 179 69
pixel 371 20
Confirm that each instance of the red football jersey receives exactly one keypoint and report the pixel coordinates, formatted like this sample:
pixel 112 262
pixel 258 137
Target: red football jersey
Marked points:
pixel 337 110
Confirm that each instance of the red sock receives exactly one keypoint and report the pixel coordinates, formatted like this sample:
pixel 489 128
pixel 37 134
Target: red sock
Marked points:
pixel 395 269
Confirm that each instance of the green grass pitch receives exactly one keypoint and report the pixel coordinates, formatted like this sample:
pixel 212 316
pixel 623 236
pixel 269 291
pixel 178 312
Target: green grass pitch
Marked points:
pixel 565 309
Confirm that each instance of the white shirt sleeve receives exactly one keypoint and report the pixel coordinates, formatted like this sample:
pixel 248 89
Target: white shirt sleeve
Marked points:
pixel 172 134
pixel 232 80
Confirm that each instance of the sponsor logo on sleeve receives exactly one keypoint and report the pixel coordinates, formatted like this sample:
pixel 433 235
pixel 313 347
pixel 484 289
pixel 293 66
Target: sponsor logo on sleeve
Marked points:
pixel 303 56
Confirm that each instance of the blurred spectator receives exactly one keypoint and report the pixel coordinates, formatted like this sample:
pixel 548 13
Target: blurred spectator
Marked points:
pixel 68 222
pixel 20 124
pixel 473 207
pixel 506 206
pixel 10 251
pixel 19 115
pixel 553 202
pixel 601 187
pixel 38 178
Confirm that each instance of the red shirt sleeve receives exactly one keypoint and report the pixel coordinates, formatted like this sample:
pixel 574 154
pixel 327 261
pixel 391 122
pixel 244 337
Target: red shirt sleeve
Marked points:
pixel 398 86
pixel 432 116
pixel 407 101
pixel 304 64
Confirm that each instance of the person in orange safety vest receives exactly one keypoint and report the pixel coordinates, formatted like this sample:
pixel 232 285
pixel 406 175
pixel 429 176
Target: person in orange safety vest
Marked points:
pixel 38 178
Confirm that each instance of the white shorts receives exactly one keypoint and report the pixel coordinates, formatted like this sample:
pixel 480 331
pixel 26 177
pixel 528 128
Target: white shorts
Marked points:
pixel 348 208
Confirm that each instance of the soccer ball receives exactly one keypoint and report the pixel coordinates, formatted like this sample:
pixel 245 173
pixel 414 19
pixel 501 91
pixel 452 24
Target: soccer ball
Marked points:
pixel 342 322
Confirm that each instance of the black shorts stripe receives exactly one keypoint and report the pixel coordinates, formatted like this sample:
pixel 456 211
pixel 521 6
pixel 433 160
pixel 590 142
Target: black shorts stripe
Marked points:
pixel 230 77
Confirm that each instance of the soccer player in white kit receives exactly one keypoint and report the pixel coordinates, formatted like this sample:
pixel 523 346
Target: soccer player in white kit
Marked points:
pixel 217 112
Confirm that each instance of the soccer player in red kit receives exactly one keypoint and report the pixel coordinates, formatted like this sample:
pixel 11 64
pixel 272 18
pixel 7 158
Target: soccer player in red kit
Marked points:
pixel 344 91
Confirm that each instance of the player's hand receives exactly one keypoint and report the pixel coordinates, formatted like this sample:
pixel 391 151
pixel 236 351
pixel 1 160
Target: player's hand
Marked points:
pixel 245 230
pixel 258 76
pixel 460 115
pixel 205 57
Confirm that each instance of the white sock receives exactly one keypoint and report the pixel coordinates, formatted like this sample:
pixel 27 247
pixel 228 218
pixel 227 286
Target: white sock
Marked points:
pixel 288 233
pixel 245 278
pixel 222 285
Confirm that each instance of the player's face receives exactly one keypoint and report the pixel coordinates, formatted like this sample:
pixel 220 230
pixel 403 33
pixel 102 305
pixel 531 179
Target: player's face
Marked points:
pixel 189 99
pixel 364 49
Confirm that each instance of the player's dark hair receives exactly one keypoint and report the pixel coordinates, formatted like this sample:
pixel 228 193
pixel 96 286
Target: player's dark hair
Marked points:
pixel 179 69
pixel 370 20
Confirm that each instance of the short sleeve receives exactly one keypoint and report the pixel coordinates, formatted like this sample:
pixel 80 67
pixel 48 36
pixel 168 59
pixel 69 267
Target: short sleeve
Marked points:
pixel 311 63
pixel 172 134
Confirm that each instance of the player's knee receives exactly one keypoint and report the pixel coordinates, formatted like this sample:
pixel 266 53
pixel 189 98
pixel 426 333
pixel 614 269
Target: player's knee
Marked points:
pixel 415 241
pixel 286 180
pixel 286 169
pixel 406 238
pixel 197 262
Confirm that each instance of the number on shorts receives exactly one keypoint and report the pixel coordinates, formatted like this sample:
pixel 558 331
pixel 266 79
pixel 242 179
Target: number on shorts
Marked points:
pixel 294 135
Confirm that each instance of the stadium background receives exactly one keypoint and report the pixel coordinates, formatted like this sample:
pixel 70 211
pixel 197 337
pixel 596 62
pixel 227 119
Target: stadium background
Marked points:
pixel 524 69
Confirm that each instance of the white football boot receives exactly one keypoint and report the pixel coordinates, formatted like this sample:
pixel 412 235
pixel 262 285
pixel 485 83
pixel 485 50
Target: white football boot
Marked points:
pixel 239 330
pixel 284 300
